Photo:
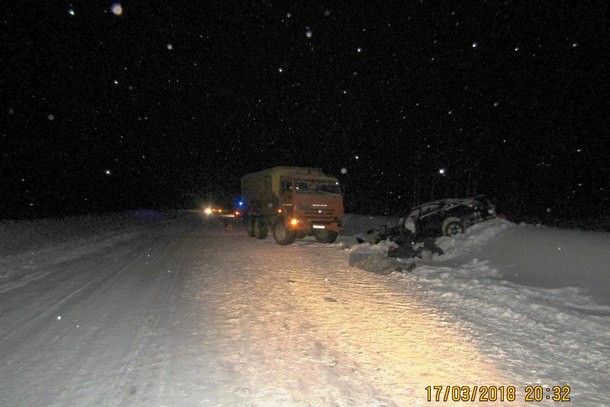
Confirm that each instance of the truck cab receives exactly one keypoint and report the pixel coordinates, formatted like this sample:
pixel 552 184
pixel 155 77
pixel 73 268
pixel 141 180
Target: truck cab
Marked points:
pixel 302 201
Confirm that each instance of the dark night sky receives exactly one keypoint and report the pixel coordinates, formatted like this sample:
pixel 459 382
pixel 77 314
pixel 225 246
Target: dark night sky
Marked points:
pixel 161 104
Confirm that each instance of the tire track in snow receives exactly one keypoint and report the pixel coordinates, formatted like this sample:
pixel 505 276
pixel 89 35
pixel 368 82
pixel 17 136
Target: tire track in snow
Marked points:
pixel 297 325
pixel 46 295
pixel 236 321
pixel 88 356
pixel 140 374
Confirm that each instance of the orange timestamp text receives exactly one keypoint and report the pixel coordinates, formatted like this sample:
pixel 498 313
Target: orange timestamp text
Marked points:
pixel 497 393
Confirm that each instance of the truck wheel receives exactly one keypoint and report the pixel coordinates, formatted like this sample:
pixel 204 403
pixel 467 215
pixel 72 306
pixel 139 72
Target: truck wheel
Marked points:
pixel 282 235
pixel 325 236
pixel 452 227
pixel 260 228
pixel 250 227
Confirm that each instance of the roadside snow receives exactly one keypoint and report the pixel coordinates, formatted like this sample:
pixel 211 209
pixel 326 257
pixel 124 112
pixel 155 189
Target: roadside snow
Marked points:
pixel 535 299
pixel 153 309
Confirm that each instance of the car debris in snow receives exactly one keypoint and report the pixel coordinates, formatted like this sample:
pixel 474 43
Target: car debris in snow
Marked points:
pixel 394 243
pixel 414 235
pixel 446 217
pixel 379 263
pixel 384 257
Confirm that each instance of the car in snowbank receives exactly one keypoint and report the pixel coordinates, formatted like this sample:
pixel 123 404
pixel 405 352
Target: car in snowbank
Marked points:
pixel 446 217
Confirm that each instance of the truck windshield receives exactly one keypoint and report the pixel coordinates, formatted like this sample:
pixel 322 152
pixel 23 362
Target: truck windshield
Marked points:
pixel 311 186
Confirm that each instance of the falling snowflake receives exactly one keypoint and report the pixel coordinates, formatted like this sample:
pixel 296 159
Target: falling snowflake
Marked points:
pixel 308 33
pixel 170 47
pixel 51 117
pixel 71 11
pixel 343 170
pixel 116 9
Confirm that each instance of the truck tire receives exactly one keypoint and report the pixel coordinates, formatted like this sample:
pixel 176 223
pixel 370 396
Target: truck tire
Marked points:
pixel 260 228
pixel 282 235
pixel 325 235
pixel 452 227
pixel 250 227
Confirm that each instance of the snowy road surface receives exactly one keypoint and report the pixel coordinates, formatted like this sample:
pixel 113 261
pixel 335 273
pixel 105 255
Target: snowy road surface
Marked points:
pixel 181 312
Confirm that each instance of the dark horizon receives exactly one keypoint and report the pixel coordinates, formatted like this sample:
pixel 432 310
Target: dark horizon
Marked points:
pixel 109 108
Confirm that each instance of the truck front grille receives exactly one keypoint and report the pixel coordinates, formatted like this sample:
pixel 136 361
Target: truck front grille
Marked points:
pixel 320 215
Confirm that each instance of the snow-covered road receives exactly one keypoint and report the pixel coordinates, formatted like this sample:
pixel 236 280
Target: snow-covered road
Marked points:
pixel 181 312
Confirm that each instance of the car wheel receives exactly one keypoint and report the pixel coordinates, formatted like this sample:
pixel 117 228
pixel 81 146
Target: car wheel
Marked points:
pixel 453 227
pixel 250 227
pixel 282 235
pixel 260 228
pixel 325 236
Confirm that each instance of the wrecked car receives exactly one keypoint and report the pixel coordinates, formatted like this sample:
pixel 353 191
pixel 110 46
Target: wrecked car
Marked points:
pixel 445 217
pixel 414 235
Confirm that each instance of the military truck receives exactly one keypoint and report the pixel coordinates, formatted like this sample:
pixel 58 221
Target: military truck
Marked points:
pixel 292 202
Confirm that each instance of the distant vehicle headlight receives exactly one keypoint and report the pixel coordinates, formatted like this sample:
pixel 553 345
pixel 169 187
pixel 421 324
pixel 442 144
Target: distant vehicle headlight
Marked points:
pixel 207 211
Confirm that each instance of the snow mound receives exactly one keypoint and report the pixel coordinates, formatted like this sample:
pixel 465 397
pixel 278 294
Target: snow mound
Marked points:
pixel 366 248
pixel 474 238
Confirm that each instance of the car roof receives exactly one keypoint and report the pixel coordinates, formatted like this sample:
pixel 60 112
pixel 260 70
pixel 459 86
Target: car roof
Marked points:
pixel 448 201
